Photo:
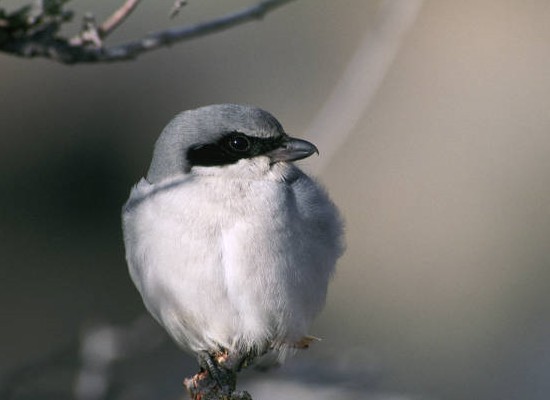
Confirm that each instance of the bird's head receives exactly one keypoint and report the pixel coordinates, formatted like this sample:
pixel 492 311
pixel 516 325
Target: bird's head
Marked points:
pixel 222 135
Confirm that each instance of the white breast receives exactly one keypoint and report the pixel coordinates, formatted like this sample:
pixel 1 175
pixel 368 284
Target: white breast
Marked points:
pixel 232 262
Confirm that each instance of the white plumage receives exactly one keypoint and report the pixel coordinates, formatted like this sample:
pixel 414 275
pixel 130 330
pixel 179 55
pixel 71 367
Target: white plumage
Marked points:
pixel 230 249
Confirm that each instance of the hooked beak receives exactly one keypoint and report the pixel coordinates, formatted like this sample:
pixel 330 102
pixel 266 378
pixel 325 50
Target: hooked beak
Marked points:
pixel 292 149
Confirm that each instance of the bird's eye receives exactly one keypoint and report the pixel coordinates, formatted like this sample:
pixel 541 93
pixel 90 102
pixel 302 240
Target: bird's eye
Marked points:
pixel 239 143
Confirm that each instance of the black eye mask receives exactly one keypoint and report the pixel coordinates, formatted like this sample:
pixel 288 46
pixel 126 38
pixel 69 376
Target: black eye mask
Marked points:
pixel 230 148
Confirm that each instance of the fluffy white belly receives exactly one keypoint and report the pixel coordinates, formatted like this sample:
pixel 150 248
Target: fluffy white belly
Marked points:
pixel 235 270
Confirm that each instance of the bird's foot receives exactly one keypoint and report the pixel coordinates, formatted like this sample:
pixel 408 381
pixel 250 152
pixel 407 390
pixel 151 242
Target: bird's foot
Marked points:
pixel 225 377
pixel 215 381
pixel 203 387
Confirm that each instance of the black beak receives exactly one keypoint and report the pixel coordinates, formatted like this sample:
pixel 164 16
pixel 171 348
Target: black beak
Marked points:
pixel 292 149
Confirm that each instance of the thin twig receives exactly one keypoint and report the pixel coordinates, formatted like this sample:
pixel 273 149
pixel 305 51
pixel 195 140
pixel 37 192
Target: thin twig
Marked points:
pixel 111 23
pixel 176 8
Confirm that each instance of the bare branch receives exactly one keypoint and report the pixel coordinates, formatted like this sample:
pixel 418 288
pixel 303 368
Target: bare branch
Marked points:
pixel 42 39
pixel 170 36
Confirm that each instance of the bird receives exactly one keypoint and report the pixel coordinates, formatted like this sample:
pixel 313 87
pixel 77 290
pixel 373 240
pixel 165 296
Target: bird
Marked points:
pixel 230 244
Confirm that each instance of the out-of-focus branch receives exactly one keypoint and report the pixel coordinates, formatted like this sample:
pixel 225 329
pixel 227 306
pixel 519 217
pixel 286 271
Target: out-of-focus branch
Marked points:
pixel 32 31
pixel 118 17
pixel 169 36
pixel 362 77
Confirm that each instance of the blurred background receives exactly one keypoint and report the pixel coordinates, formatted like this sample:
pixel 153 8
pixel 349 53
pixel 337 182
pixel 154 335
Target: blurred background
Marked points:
pixel 441 169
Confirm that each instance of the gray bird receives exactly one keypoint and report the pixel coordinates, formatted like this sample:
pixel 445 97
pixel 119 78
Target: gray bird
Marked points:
pixel 230 244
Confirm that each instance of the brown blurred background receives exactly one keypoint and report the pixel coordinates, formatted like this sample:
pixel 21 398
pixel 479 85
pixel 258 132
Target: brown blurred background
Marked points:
pixel 444 182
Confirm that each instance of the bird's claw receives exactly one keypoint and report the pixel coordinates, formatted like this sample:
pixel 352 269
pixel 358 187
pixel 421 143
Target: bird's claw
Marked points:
pixel 216 379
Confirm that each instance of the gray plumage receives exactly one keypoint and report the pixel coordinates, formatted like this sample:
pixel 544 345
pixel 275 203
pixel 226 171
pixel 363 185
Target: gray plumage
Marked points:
pixel 230 244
